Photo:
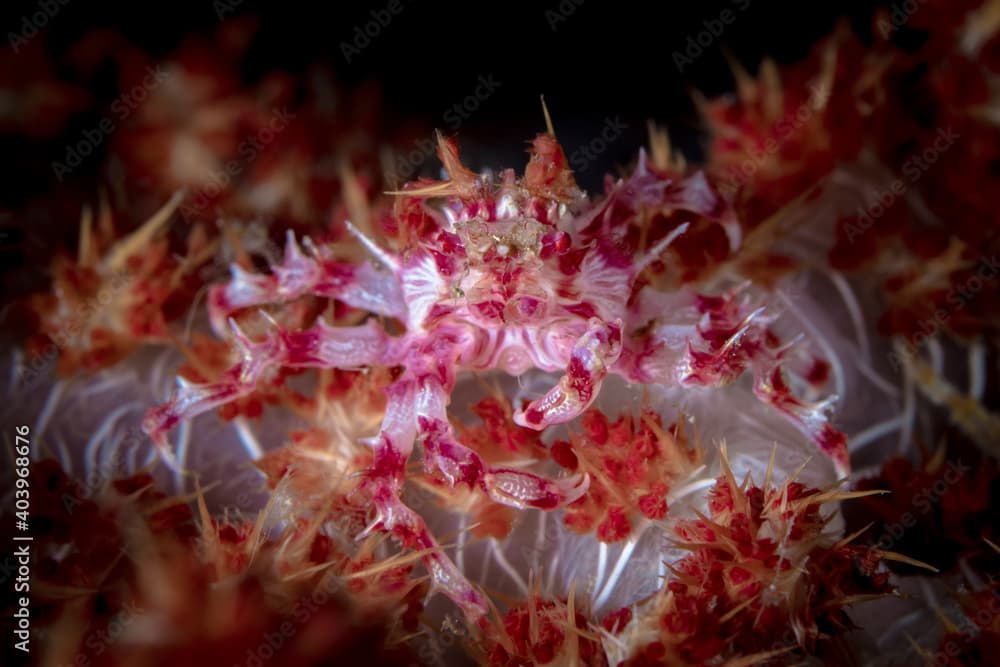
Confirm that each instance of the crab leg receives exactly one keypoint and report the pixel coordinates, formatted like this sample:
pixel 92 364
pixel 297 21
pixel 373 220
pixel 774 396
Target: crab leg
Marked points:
pixel 384 482
pixel 321 346
pixel 417 407
pixel 809 418
pixel 733 342
pixel 394 516
pixel 361 286
pixel 594 352
pixel 459 464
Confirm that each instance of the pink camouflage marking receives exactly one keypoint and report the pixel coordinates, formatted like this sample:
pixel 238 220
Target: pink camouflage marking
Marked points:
pixel 515 274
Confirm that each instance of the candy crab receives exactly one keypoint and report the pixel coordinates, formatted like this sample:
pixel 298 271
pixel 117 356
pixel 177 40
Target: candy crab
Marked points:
pixel 507 274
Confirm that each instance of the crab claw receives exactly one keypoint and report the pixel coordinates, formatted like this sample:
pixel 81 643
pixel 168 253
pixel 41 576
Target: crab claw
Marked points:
pixel 596 350
pixel 461 465
pixel 523 489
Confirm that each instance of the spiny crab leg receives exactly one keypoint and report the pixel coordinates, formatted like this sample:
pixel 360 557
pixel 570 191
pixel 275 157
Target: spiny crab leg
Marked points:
pixel 394 516
pixel 361 285
pixel 416 408
pixel 335 347
pixel 461 465
pixel 593 354
pixel 729 340
pixel 319 346
pixel 724 362
pixel 809 418
pixel 384 482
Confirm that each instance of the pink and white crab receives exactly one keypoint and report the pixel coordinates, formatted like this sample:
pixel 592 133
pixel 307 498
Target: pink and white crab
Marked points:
pixel 508 274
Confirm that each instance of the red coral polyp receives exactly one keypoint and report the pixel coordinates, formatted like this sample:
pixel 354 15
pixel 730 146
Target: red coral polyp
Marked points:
pixel 761 579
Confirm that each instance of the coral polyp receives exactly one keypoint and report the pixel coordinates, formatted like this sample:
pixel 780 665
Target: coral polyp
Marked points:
pixel 762 579
pixel 507 274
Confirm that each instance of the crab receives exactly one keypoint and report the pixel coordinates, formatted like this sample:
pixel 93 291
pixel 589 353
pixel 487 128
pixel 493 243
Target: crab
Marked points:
pixel 505 274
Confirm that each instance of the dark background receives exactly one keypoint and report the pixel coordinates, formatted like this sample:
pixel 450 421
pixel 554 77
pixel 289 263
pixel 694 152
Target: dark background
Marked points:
pixel 604 56
pixel 595 61
pixel 592 59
